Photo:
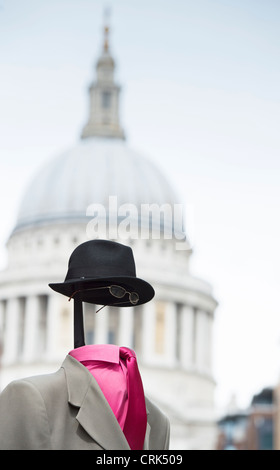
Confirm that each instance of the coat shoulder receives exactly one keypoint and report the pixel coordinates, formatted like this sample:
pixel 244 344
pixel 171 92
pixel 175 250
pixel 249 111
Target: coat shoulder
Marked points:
pixel 23 417
pixel 27 406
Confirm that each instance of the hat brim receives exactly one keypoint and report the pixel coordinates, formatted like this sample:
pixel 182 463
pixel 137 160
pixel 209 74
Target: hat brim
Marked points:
pixel 84 290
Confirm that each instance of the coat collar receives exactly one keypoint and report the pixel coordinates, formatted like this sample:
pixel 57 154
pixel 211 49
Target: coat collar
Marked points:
pixel 85 393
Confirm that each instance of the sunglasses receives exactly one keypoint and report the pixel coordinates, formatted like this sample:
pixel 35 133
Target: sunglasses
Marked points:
pixel 116 291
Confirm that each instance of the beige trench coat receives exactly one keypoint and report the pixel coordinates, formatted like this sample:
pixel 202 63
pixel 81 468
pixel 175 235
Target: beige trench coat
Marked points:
pixel 67 410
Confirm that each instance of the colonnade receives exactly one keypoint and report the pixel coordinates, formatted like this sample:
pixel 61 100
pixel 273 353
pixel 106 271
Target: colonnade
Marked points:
pixel 28 328
pixel 163 333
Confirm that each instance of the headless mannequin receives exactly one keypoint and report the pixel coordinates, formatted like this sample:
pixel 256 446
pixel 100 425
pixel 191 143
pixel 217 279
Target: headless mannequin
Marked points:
pixel 108 365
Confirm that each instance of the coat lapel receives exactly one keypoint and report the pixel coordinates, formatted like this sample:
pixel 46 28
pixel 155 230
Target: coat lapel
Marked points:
pixel 95 414
pixel 100 422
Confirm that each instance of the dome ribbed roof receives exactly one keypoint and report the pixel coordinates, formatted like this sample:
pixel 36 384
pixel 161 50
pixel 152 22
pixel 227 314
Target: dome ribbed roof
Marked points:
pixel 89 173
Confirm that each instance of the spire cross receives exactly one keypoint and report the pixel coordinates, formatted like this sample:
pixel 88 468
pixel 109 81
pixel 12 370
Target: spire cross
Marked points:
pixel 107 12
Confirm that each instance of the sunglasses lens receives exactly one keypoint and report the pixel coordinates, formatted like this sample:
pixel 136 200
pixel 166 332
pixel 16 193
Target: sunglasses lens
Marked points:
pixel 133 297
pixel 117 291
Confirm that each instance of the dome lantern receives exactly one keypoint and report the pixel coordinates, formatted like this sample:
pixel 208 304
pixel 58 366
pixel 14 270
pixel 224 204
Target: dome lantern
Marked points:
pixel 104 98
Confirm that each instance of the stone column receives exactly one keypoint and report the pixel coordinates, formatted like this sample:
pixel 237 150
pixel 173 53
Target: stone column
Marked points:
pixel 2 313
pixel 148 333
pixel 31 327
pixel 2 309
pixel 186 337
pixel 53 325
pixel 200 346
pixel 11 331
pixel 126 327
pixel 209 352
pixel 101 327
pixel 170 334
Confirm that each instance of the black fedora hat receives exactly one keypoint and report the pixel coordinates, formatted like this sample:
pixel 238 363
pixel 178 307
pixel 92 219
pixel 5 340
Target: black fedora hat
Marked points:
pixel 96 265
pixel 102 272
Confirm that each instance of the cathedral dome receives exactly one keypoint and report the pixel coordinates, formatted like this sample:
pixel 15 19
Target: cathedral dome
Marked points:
pixel 89 173
pixel 98 168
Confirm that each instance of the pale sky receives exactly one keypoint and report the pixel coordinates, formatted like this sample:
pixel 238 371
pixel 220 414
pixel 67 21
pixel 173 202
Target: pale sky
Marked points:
pixel 201 98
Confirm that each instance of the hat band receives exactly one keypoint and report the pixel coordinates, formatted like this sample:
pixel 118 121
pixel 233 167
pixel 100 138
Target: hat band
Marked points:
pixel 103 271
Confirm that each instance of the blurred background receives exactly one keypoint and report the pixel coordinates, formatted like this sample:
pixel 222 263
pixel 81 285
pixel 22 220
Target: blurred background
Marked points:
pixel 195 91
